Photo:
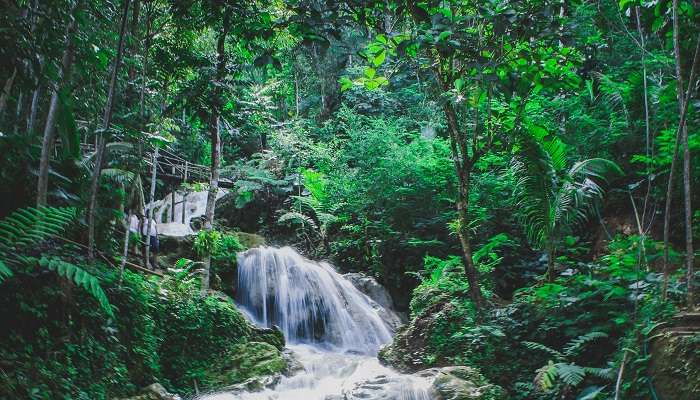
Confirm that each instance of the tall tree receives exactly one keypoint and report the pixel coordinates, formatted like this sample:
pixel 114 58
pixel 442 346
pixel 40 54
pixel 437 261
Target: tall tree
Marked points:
pixel 479 55
pixel 50 125
pixel 101 142
pixel 681 138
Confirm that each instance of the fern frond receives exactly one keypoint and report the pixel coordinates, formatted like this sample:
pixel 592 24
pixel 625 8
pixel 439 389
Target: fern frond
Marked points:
pixel 5 271
pixel 540 347
pixel 602 373
pixel 296 218
pixel 25 228
pixel 118 175
pixel 546 376
pixel 576 345
pixel 570 374
pixel 81 278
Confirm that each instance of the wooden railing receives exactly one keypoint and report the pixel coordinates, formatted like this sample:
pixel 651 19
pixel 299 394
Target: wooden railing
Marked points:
pixel 168 165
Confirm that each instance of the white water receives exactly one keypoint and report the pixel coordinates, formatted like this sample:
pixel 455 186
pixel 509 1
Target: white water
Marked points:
pixel 195 206
pixel 332 328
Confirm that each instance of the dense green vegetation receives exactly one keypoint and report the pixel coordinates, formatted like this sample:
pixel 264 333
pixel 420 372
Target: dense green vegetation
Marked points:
pixel 518 174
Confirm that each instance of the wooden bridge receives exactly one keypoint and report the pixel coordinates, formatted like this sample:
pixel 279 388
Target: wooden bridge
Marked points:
pixel 169 166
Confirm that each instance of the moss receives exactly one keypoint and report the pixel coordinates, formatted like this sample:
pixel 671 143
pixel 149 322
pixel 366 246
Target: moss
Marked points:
pixel 245 361
pixel 465 383
pixel 676 367
pixel 272 336
pixel 250 240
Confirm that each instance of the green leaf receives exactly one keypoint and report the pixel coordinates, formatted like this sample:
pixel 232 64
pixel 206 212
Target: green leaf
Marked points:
pixel 379 58
pixel 345 83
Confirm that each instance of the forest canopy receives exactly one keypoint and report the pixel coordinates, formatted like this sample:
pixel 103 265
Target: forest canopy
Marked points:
pixel 518 175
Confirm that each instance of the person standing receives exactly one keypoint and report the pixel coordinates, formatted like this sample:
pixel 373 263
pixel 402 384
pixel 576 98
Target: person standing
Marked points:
pixel 134 235
pixel 152 236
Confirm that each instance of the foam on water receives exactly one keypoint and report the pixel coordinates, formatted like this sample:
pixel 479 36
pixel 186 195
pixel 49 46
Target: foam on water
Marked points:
pixel 309 301
pixel 332 328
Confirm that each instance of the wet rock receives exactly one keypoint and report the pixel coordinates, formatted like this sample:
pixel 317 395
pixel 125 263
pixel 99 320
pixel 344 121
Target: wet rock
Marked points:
pixel 249 363
pixel 409 351
pixel 294 366
pixel 372 288
pixel 154 391
pixel 254 384
pixel 379 295
pixel 447 383
pixel 250 240
pixel 463 383
pixel 272 336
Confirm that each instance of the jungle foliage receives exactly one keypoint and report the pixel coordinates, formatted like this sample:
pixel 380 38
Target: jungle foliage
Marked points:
pixel 518 174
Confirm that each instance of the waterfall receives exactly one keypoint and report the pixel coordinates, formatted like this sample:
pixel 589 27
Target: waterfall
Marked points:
pixel 332 328
pixel 309 301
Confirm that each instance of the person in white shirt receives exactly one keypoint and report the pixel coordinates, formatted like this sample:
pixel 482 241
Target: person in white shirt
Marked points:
pixel 134 236
pixel 152 235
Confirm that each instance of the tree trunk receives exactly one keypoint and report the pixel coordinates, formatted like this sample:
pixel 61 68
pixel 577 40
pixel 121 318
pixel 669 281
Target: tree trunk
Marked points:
pixel 551 255
pixel 125 250
pixel 152 196
pixel 296 93
pixel 50 125
pixel 144 72
pixel 18 110
pixel 681 133
pixel 100 144
pixel 211 198
pixel 649 151
pixel 687 192
pixel 33 109
pixel 135 11
pixel 463 166
pixel 172 203
pixel 6 92
pixel 215 143
pixel 465 240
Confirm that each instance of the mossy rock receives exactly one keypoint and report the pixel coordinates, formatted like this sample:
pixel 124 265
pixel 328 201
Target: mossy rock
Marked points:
pixel 155 391
pixel 411 350
pixel 250 240
pixel 675 366
pixel 271 336
pixel 464 383
pixel 245 361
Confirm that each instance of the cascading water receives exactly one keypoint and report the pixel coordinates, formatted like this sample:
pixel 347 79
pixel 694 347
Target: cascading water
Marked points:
pixel 308 301
pixel 332 328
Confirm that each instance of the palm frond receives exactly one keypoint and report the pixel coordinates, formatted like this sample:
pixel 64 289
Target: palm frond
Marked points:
pixel 535 189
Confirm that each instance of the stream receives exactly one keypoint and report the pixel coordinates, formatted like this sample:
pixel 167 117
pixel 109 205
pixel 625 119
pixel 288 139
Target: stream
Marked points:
pixel 332 328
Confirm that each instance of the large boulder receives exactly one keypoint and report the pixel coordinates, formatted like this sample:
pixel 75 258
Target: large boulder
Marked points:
pixel 675 358
pixel 380 296
pixel 372 288
pixel 463 383
pixel 410 350
pixel 247 362
pixel 154 391
pixel 447 383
